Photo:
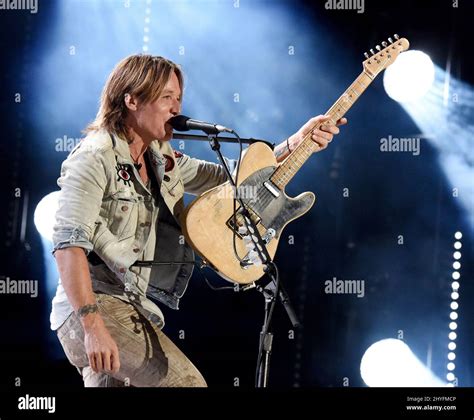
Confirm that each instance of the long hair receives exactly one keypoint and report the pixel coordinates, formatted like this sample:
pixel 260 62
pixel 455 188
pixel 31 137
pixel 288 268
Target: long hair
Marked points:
pixel 141 75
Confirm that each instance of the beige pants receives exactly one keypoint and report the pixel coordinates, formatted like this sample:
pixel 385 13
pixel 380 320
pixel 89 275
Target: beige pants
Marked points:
pixel 148 358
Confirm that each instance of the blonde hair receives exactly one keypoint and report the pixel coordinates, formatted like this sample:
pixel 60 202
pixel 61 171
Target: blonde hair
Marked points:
pixel 143 76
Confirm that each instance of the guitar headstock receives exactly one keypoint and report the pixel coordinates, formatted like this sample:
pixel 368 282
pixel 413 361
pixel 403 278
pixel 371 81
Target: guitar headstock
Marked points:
pixel 380 60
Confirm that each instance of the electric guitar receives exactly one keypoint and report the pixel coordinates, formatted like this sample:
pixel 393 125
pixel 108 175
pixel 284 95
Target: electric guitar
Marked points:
pixel 209 223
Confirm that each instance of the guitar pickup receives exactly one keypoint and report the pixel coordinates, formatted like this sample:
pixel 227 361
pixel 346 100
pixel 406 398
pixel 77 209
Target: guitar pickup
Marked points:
pixel 272 188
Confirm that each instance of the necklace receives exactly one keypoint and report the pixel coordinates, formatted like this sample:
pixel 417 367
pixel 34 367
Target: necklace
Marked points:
pixel 137 165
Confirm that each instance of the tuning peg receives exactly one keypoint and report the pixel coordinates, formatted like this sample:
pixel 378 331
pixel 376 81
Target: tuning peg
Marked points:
pixel 396 37
pixel 390 40
pixel 377 47
pixel 372 51
pixel 384 43
pixel 366 55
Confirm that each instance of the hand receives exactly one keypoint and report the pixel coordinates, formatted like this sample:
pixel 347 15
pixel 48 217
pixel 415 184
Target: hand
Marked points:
pixel 101 348
pixel 321 136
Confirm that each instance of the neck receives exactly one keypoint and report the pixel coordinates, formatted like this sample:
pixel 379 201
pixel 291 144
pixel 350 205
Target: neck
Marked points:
pixel 137 143
pixel 285 172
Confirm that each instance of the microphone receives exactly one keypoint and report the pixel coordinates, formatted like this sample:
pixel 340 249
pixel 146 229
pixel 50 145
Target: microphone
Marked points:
pixel 183 123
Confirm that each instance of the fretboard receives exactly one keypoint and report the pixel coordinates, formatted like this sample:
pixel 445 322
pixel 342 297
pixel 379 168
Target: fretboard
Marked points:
pixel 292 164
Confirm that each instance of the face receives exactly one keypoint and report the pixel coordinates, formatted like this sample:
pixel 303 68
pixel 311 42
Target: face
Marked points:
pixel 149 120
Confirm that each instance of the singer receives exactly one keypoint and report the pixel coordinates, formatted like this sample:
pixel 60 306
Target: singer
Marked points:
pixel 120 202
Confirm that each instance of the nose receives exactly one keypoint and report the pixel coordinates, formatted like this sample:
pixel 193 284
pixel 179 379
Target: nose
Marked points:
pixel 176 107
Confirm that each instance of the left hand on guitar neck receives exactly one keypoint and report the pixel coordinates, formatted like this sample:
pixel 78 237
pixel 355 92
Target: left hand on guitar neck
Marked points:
pixel 321 136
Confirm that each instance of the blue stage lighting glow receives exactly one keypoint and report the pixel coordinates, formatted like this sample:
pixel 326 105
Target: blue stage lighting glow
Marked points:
pixel 44 215
pixel 445 116
pixel 391 363
pixel 410 77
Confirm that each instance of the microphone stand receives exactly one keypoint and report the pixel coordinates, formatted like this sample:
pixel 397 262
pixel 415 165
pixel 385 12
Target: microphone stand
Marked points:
pixel 272 290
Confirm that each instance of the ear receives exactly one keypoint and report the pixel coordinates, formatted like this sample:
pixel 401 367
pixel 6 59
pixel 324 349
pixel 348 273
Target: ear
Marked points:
pixel 130 102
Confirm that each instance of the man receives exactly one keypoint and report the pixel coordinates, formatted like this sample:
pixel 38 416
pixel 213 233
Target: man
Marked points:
pixel 120 203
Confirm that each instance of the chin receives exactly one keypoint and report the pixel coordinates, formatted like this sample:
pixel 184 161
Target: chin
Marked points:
pixel 164 135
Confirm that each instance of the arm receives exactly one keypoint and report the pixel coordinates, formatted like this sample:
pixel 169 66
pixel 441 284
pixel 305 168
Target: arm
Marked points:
pixel 199 176
pixel 101 348
pixel 83 181
pixel 321 136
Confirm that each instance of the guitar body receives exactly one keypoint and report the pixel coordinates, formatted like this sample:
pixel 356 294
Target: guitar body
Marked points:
pixel 209 223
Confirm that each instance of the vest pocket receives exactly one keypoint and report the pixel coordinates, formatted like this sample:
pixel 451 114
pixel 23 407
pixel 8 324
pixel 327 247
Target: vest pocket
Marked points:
pixel 123 214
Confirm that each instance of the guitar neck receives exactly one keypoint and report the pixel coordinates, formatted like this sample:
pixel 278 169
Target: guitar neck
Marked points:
pixel 292 164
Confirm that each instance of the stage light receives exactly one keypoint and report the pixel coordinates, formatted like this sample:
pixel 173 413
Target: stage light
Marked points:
pixel 451 355
pixel 44 215
pixel 453 315
pixel 391 363
pixel 409 77
pixel 452 335
pixel 458 235
pixel 457 245
pixel 453 325
pixel 452 346
pixel 454 295
pixel 457 255
pixel 451 366
pixel 455 285
pixel 454 305
pixel 456 265
pixel 450 376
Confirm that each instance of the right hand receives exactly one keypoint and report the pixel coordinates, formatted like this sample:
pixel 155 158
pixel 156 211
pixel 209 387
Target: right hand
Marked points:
pixel 101 348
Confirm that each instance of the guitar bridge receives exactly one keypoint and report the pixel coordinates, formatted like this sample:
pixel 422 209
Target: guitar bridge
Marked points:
pixel 240 221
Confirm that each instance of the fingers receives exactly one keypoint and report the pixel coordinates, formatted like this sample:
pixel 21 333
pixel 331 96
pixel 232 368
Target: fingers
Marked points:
pixel 312 122
pixel 115 362
pixel 106 361
pixel 92 363
pixel 98 362
pixel 321 138
pixel 329 128
pixel 323 135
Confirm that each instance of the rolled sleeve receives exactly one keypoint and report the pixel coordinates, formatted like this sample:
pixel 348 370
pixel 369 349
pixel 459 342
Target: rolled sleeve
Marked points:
pixel 82 182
